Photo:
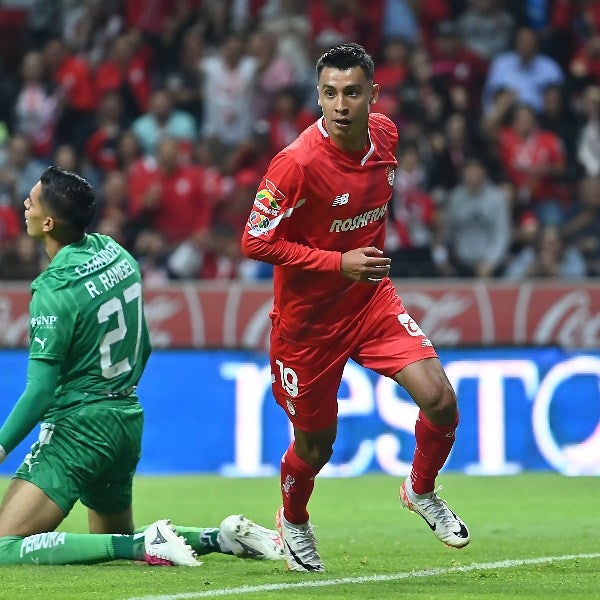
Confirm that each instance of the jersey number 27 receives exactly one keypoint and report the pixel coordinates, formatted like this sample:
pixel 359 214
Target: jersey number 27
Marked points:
pixel 114 306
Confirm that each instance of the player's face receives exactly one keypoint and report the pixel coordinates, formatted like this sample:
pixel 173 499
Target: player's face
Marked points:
pixel 346 97
pixel 35 216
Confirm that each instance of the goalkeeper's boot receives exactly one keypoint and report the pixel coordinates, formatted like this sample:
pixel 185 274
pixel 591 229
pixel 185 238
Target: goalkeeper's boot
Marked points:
pixel 446 526
pixel 299 545
pixel 246 539
pixel 163 546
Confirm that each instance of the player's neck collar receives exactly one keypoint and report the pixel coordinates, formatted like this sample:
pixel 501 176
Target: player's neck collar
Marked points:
pixel 365 158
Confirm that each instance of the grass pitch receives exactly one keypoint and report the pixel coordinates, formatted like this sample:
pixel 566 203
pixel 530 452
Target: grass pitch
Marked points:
pixel 533 536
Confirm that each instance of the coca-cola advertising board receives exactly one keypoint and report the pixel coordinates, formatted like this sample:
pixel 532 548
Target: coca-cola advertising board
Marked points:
pixel 452 313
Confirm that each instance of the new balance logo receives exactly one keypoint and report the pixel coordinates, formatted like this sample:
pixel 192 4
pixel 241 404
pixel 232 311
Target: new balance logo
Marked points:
pixel 340 200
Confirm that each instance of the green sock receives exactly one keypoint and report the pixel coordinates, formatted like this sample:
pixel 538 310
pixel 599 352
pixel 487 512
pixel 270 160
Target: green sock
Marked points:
pixel 129 547
pixel 203 540
pixel 59 548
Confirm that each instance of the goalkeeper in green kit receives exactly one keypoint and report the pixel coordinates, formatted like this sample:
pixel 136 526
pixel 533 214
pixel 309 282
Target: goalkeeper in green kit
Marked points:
pixel 89 345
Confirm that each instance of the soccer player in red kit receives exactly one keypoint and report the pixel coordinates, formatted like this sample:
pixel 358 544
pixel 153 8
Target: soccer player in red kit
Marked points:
pixel 319 217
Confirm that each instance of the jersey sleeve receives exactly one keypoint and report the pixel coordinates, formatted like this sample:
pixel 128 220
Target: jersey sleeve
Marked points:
pixel 42 377
pixel 276 210
pixel 53 315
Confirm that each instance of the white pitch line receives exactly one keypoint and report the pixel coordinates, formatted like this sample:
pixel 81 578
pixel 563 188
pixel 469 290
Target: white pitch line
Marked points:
pixel 273 587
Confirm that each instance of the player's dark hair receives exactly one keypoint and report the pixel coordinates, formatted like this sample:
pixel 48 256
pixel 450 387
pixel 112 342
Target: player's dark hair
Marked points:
pixel 69 197
pixel 347 56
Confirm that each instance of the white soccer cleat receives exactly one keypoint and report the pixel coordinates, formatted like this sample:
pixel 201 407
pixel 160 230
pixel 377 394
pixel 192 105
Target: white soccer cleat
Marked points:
pixel 299 545
pixel 246 539
pixel 163 546
pixel 446 526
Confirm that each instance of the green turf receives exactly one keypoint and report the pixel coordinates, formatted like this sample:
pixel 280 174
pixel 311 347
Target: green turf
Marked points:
pixel 362 533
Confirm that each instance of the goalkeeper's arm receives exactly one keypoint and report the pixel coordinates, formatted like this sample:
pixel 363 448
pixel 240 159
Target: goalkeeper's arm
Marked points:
pixel 42 378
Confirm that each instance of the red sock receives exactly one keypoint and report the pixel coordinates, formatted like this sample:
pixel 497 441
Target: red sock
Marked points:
pixel 297 483
pixel 434 443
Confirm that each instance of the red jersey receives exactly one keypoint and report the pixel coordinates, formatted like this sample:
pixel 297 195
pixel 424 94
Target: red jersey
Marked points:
pixel 520 156
pixel 182 208
pixel 314 203
pixel 75 76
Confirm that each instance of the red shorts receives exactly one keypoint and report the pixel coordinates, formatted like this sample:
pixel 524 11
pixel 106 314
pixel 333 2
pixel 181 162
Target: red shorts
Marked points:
pixel 307 374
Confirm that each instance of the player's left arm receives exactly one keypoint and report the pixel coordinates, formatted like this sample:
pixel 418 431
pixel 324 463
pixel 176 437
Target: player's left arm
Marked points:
pixel 42 378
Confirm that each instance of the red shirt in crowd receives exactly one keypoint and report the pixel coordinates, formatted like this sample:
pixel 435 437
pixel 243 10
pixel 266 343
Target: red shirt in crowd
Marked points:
pixel 521 158
pixel 74 76
pixel 182 208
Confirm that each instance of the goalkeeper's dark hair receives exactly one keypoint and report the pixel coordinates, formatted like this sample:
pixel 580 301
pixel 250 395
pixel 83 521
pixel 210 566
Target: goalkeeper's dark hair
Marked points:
pixel 347 56
pixel 69 198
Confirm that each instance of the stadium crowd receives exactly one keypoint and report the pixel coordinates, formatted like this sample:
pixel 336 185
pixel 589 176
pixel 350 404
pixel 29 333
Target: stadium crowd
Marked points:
pixel 174 108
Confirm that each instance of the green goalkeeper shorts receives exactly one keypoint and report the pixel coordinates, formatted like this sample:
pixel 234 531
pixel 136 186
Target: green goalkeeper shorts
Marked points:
pixel 90 455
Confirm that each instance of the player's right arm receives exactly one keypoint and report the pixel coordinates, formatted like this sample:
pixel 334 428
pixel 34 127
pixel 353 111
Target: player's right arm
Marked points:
pixel 277 209
pixel 42 378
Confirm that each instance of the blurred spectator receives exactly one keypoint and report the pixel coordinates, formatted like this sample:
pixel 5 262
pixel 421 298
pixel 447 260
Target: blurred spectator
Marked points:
pixel 163 120
pixel 534 163
pixel 336 19
pixel 21 260
pixel 582 228
pixel 588 144
pixel 459 70
pixel 287 120
pixel 526 227
pixel 37 106
pixel 129 151
pixel 273 72
pixel 101 146
pixel 450 149
pixel 111 213
pixel 73 75
pixel 486 28
pixel 20 170
pixel 584 66
pixel 430 13
pixel 184 81
pixel 288 21
pixel 228 81
pixel 169 43
pixel 421 95
pixel 223 256
pixel 127 70
pixel 400 21
pixel 151 250
pixel 11 222
pixel 524 70
pixel 254 153
pixel 556 116
pixel 549 257
pixel 148 16
pixel 89 27
pixel 412 218
pixel 499 115
pixel 390 73
pixel 477 226
pixel 66 157
pixel 168 196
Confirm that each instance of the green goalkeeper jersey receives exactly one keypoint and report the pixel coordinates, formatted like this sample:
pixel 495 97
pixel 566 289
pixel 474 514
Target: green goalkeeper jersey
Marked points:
pixel 87 314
